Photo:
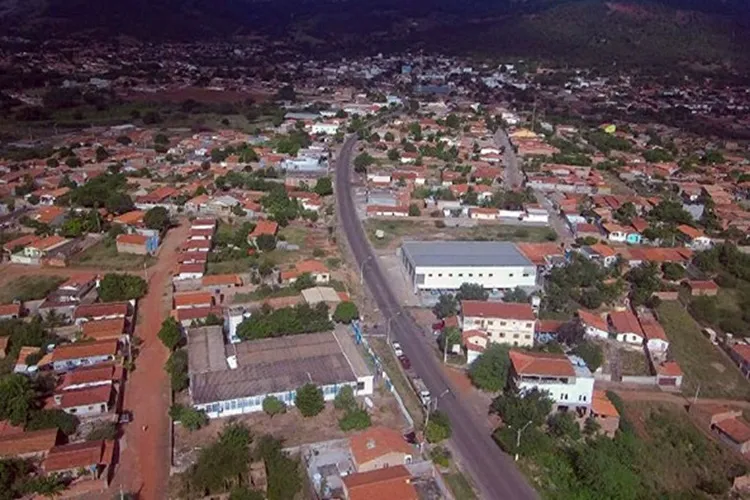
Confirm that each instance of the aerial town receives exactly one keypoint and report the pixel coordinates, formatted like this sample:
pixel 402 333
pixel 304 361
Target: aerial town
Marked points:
pixel 230 271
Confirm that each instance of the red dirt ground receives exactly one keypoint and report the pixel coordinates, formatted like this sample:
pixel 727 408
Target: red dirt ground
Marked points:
pixel 145 456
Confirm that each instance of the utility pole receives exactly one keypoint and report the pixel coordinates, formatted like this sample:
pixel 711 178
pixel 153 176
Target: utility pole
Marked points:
pixel 445 346
pixel 533 118
pixel 518 438
pixel 697 391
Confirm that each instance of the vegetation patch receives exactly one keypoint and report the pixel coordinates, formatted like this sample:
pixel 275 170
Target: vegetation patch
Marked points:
pixel 30 288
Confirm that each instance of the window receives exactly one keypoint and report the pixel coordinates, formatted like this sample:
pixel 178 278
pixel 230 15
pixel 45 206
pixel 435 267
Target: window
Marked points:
pixel 526 275
pixel 527 337
pixel 490 323
pixel 564 397
pixel 515 335
pixel 360 386
pixel 502 335
pixel 471 275
pixel 510 275
pixel 490 275
pixel 460 275
pixel 450 275
pixel 481 275
pixel 440 275
pixel 430 275
pixel 503 323
pixel 529 325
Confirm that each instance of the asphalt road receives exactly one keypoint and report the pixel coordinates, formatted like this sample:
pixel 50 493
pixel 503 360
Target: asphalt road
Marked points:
pixel 494 472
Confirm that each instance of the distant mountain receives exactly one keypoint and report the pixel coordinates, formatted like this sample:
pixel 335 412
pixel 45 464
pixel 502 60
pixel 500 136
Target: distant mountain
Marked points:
pixel 582 30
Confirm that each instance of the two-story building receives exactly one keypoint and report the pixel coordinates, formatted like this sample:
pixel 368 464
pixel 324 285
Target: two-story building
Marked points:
pixel 505 323
pixel 566 379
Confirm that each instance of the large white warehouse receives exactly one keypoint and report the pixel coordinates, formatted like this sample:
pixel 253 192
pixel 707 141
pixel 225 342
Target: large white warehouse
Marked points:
pixel 446 265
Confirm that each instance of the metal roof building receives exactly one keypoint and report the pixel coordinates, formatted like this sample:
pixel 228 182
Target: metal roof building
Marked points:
pixel 235 378
pixel 446 265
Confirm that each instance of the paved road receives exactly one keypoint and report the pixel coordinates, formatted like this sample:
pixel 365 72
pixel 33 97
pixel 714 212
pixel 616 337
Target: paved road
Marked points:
pixel 514 178
pixel 494 472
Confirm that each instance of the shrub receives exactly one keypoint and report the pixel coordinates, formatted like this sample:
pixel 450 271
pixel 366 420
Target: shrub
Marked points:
pixel 355 419
pixel 346 312
pixel 177 367
pixel 189 417
pixel 273 406
pixel 438 428
pixel 345 399
pixel 50 419
pixel 564 425
pixel 102 430
pixel 490 370
pixel 441 456
pixel 116 287
pixel 170 333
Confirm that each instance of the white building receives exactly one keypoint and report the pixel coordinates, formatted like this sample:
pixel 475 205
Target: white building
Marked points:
pixel 446 265
pixel 327 128
pixel 626 327
pixel 594 326
pixel 233 379
pixel 566 379
pixel 504 323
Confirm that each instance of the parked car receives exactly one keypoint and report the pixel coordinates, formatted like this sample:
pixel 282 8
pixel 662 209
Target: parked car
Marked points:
pixel 405 363
pixel 397 349
pixel 439 325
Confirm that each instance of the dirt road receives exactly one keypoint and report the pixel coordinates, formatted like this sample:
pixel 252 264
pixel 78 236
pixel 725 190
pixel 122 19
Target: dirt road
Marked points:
pixel 678 399
pixel 145 456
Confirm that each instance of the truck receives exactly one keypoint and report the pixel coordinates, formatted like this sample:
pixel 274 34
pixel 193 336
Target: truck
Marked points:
pixel 421 390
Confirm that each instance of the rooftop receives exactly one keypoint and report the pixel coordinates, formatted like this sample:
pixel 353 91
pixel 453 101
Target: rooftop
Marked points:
pixel 464 253
pixel 273 365
pixel 388 483
pixel 29 442
pixel 486 309
pixel 537 363
pixel 376 442
pixel 75 456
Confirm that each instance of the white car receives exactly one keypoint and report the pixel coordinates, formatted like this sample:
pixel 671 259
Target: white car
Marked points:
pixel 397 349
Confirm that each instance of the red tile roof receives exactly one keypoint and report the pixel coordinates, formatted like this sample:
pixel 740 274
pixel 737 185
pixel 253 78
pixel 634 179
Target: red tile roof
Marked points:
pixel 743 351
pixel 625 322
pixel 265 227
pixel 84 350
pixel 101 309
pixel 87 396
pixel 376 442
pixel 653 330
pixel 10 309
pixel 47 243
pixel 197 313
pixel 736 428
pixel 21 241
pixel 27 443
pixel 537 363
pixel 104 329
pixel 486 309
pixel 669 369
pixel 703 285
pixel 592 319
pixel 193 299
pixel 132 239
pixel 221 280
pixel 76 456
pixel 690 232
pixel 601 405
pixel 92 374
pixel 390 483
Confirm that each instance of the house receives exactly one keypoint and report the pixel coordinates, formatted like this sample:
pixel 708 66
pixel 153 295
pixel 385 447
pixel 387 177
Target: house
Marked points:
pixel 729 424
pixel 84 402
pixel 38 249
pixel 191 300
pixel 740 353
pixel 92 376
pixel 10 311
pixel 379 447
pixel 593 325
pixel 391 483
pixel 479 213
pixel 657 342
pixel 189 315
pixel 48 197
pixel 702 287
pixel 566 379
pixel 218 281
pixel 29 444
pixel 605 414
pixel 201 234
pixel 69 356
pixel 132 219
pixel 52 216
pixel 626 327
pixel 23 363
pixel 695 239
pixel 317 270
pixel 615 232
pixel 668 375
pixel 387 211
pixel 474 343
pixel 264 227
pixel 138 244
pixel 504 323
pixel 104 329
pixel 602 254
pixel 97 311
pixel 89 458
pixel 199 246
pixel 203 223
pixel 193 271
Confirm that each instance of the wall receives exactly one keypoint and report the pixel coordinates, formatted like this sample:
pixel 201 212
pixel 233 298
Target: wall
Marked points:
pixel 451 278
pixel 512 332
pixel 577 393
pixel 640 380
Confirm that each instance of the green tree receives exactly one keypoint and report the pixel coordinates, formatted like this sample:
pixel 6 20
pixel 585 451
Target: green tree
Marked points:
pixel 673 271
pixel 284 481
pixel 52 419
pixel 223 464
pixel 355 419
pixel 362 161
pixel 591 353
pixel 116 287
pixel 324 186
pixel 451 335
pixel 346 312
pixel 393 154
pixel 245 493
pixel 564 425
pixel 273 406
pixel 265 242
pixel 446 306
pixel 489 371
pixel 345 399
pixel 309 400
pixel 472 291
pixel 157 218
pixel 414 210
pixel 16 398
pixel 516 295
pixel 438 428
pixel 189 417
pixel 518 409
pixel 170 333
pixel 177 368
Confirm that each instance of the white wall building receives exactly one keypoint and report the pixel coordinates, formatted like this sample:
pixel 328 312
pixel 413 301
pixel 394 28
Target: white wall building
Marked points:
pixel 566 379
pixel 446 265
pixel 504 323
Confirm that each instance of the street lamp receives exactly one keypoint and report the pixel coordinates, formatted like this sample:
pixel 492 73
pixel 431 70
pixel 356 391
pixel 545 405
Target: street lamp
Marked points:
pixel 429 412
pixel 518 437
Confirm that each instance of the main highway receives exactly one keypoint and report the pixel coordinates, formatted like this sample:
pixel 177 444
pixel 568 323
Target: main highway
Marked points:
pixel 493 472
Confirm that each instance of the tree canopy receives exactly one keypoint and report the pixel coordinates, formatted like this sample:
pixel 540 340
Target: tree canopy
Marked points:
pixel 489 371
pixel 157 218
pixel 309 400
pixel 268 322
pixel 116 287
pixel 346 312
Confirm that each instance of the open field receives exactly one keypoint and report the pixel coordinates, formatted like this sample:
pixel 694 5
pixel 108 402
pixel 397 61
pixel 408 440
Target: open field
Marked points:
pixel 397 230
pixel 104 255
pixel 703 364
pixel 29 288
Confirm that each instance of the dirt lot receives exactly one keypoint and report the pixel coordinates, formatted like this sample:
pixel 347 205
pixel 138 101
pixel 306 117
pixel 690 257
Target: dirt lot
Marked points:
pixel 292 426
pixel 30 287
pixel 105 256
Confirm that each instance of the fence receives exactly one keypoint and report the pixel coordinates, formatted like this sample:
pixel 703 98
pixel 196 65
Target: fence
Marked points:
pixel 380 371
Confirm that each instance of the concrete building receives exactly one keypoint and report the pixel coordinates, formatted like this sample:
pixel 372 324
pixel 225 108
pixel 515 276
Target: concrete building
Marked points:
pixel 504 323
pixel 566 379
pixel 446 265
pixel 379 447
pixel 235 378
pixel 69 356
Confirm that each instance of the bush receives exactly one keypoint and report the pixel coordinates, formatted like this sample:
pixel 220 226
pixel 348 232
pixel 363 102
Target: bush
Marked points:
pixel 438 428
pixel 177 367
pixel 189 417
pixel 356 419
pixel 489 372
pixel 157 218
pixel 170 333
pixel 102 430
pixel 346 312
pixel 591 353
pixel 116 287
pixel 564 425
pixel 441 456
pixel 273 406
pixel 309 400
pixel 345 399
